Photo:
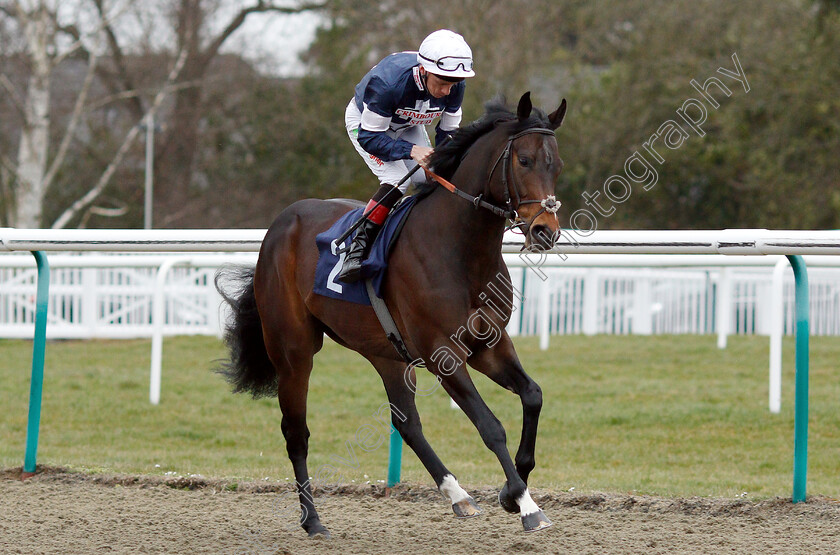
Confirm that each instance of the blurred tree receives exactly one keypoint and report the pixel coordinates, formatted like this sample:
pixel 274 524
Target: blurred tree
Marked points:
pixel 49 41
pixel 769 157
pixel 626 68
pixel 178 148
pixel 39 29
pixel 42 24
pixel 236 146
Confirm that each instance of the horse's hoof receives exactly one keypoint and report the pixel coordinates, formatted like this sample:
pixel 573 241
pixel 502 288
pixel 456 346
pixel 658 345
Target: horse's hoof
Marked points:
pixel 319 532
pixel 507 502
pixel 466 508
pixel 535 521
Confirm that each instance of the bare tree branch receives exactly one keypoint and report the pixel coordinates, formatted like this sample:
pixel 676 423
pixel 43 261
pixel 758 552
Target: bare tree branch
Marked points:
pixel 7 163
pixel 78 108
pixel 73 31
pixel 17 101
pixel 111 98
pixel 239 19
pixel 91 195
pixel 102 211
pixel 102 102
pixel 118 58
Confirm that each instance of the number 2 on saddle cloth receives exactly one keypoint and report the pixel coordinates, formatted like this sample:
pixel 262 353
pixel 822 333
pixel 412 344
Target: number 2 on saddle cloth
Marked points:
pixel 329 262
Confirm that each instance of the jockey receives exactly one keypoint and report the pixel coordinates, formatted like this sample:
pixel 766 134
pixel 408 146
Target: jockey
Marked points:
pixel 385 120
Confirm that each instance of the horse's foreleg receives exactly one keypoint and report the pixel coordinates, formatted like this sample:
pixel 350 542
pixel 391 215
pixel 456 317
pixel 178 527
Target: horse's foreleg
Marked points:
pixel 503 367
pixel 406 420
pixel 515 495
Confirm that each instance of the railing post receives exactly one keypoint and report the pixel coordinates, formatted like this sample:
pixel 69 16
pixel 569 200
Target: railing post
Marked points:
pixel 90 292
pixel 777 331
pixel 543 315
pixel 39 345
pixel 394 458
pixel 590 303
pixel 643 304
pixel 800 423
pixel 723 306
pixel 158 323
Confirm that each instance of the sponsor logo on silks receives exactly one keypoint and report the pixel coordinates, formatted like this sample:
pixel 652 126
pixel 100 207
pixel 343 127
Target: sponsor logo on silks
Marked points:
pixel 376 160
pixel 355 132
pixel 418 118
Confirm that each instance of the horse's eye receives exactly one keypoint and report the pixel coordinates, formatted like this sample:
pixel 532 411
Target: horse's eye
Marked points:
pixel 524 162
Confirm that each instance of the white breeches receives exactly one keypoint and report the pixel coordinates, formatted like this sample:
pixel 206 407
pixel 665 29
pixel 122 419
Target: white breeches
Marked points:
pixel 387 172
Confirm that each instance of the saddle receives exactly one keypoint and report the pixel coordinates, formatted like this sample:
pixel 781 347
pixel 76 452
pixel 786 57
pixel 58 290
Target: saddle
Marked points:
pixel 373 267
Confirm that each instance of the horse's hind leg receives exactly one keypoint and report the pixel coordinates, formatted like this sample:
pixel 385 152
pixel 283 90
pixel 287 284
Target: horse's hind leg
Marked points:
pixel 291 349
pixel 406 420
pixel 292 398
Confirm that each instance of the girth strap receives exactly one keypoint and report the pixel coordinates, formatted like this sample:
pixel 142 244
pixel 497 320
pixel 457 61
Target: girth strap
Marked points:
pixel 387 322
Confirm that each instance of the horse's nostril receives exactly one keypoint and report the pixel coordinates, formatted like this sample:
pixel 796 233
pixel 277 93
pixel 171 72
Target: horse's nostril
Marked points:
pixel 542 235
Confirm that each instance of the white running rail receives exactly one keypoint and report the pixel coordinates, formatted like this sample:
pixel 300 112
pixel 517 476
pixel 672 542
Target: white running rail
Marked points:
pixel 635 301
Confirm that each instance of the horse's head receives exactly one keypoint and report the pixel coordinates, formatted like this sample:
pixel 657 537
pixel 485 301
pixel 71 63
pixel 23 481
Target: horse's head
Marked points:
pixel 530 164
pixel 508 163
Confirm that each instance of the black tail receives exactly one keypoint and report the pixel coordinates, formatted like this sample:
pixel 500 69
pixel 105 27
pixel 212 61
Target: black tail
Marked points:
pixel 249 368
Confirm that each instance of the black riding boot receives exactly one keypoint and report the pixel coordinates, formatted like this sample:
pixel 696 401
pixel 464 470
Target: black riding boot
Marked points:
pixel 377 211
pixel 351 270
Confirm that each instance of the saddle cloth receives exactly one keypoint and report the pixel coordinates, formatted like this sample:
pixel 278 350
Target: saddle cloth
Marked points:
pixel 329 263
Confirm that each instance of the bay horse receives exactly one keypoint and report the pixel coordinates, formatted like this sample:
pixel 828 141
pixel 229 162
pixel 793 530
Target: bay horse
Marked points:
pixel 448 254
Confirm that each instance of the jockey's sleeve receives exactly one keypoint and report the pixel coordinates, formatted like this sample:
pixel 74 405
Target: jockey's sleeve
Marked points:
pixel 379 106
pixel 448 123
pixel 379 143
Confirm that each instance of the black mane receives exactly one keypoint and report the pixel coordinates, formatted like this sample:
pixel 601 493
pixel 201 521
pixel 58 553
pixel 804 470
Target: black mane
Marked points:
pixel 447 157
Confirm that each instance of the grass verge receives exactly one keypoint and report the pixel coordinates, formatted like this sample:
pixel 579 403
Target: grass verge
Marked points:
pixel 660 415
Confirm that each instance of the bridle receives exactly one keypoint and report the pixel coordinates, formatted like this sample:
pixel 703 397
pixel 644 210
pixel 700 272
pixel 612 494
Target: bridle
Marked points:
pixel 509 211
pixel 548 204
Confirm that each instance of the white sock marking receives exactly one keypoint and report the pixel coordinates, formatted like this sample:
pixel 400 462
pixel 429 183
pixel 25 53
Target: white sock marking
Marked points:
pixel 526 504
pixel 450 488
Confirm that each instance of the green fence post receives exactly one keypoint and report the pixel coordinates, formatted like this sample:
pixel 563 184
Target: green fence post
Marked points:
pixel 394 458
pixel 800 423
pixel 39 345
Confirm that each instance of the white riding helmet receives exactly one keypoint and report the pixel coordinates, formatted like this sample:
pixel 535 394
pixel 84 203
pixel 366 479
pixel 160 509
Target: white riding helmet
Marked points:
pixel 446 53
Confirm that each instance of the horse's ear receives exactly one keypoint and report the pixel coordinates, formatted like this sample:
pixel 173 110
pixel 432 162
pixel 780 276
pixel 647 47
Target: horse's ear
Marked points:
pixel 524 109
pixel 556 119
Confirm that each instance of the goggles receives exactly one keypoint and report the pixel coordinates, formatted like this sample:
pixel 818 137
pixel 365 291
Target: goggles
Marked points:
pixel 451 63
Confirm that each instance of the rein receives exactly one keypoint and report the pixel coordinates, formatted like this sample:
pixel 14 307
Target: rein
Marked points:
pixel 477 202
pixel 549 204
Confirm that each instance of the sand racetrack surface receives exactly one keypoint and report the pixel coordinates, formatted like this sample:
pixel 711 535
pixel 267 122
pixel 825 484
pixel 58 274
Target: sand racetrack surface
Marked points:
pixel 67 512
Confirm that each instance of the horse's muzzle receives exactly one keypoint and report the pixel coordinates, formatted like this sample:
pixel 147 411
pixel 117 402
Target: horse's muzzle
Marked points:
pixel 541 237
